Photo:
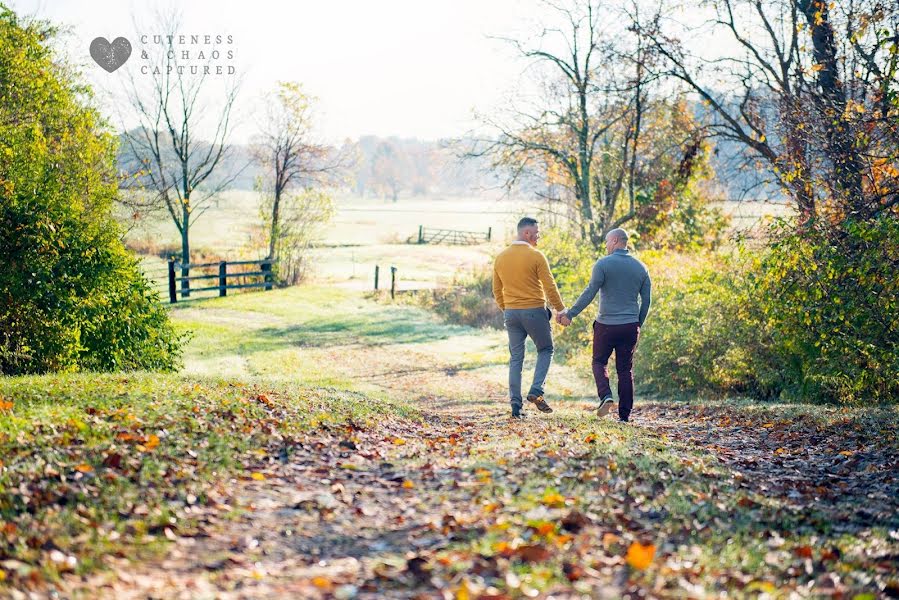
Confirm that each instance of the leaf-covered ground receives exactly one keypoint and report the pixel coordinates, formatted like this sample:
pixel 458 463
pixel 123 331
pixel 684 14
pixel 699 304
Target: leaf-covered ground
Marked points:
pixel 320 445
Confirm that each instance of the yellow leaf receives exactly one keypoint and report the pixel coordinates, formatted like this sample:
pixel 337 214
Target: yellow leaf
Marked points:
pixel 640 556
pixel 2 575
pixel 84 468
pixel 151 442
pixel 258 476
pixel 463 593
pixel 590 439
pixel 551 498
pixel 408 484
pixel 398 441
pixel 768 425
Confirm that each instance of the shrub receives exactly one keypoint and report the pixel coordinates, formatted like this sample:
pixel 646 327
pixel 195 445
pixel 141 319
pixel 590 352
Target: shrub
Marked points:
pixel 71 296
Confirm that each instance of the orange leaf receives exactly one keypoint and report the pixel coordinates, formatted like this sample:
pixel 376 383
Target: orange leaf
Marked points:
pixel 640 556
pixel 84 468
pixel 544 527
pixel 322 583
pixel 408 484
pixel 5 404
pixel 590 439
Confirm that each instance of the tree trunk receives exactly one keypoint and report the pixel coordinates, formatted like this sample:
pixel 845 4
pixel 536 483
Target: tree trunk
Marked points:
pixel 847 167
pixel 275 231
pixel 185 249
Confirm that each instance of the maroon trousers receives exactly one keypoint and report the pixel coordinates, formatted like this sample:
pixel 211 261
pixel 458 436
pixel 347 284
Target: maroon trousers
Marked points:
pixel 623 340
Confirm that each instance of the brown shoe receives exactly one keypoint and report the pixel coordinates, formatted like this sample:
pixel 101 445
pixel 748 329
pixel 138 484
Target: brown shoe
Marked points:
pixel 540 403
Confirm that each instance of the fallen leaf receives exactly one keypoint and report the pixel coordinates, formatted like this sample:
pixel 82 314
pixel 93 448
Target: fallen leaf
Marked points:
pixel 533 553
pixel 639 556
pixel 84 468
pixel 258 476
pixel 322 583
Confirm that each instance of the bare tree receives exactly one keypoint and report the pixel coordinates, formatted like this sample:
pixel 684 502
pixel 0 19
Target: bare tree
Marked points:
pixel 172 111
pixel 286 148
pixel 585 127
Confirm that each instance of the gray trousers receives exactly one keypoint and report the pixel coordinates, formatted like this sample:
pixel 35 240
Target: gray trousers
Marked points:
pixel 521 323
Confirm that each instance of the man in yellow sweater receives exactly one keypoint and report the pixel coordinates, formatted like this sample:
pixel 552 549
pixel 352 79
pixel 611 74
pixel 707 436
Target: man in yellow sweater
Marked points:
pixel 522 284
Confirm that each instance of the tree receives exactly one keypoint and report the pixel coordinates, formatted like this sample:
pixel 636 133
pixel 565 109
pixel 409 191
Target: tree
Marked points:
pixel 287 151
pixel 811 95
pixel 71 296
pixel 389 169
pixel 174 161
pixel 585 127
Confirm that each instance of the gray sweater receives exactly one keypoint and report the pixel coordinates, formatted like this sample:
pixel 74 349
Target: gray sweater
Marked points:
pixel 619 278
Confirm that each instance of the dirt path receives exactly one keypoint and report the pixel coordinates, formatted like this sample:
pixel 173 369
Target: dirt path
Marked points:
pixel 466 503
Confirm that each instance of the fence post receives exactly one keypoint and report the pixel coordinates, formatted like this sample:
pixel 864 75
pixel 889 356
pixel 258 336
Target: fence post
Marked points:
pixel 392 282
pixel 489 233
pixel 267 268
pixel 173 292
pixel 223 278
pixel 377 268
pixel 421 236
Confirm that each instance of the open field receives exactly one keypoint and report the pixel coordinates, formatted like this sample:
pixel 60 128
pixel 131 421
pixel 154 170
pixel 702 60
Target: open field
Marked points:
pixel 365 233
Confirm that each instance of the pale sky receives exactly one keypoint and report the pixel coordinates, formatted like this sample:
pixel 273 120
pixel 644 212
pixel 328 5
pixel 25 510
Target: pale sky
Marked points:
pixel 411 68
pixel 392 67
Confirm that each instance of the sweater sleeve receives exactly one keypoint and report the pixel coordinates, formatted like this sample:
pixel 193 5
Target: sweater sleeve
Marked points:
pixel 498 289
pixel 597 278
pixel 549 283
pixel 645 298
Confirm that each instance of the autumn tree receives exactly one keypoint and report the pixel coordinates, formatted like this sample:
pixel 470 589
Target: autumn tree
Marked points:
pixel 811 94
pixel 584 128
pixel 389 169
pixel 291 157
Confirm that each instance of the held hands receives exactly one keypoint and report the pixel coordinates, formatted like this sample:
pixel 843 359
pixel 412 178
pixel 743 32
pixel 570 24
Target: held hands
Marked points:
pixel 563 319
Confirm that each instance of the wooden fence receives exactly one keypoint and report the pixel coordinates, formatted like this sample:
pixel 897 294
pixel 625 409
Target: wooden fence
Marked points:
pixel 258 275
pixel 429 235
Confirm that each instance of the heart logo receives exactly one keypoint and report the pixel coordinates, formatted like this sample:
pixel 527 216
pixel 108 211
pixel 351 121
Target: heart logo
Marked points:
pixel 110 55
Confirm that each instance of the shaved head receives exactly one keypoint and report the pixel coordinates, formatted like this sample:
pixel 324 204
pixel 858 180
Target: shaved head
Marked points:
pixel 616 240
pixel 617 234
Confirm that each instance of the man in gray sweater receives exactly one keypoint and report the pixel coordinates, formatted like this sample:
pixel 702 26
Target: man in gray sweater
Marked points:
pixel 620 280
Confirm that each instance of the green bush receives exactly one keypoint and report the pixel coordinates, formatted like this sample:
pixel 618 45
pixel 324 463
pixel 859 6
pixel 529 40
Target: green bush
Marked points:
pixel 813 316
pixel 829 296
pixel 467 301
pixel 71 296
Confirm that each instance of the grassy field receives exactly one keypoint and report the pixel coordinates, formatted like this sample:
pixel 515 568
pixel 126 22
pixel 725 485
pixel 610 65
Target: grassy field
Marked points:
pixel 318 444
pixel 367 232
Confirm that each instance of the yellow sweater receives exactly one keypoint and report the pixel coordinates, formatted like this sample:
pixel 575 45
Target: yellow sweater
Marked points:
pixel 522 279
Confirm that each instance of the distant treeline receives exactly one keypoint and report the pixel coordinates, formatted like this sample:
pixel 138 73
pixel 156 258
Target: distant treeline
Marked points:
pixel 394 167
